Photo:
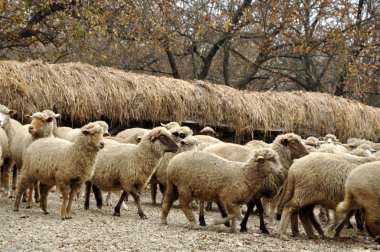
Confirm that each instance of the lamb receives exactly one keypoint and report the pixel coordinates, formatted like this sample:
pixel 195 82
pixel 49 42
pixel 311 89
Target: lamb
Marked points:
pixel 10 127
pixel 71 134
pixel 128 167
pixel 362 190
pixel 207 177
pixel 315 179
pixel 67 165
pixel 160 177
pixel 132 135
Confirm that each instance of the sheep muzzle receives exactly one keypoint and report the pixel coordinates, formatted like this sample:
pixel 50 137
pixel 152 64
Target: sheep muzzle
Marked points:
pixel 260 159
pixel 169 145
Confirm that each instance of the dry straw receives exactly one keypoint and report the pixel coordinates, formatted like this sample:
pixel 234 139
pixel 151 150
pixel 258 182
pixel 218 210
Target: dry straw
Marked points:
pixel 83 93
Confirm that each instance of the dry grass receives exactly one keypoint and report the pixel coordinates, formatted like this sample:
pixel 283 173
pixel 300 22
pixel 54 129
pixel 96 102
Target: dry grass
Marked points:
pixel 83 93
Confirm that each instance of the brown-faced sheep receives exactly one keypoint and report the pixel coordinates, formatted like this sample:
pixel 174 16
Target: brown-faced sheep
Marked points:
pixel 41 126
pixel 362 190
pixel 54 161
pixel 132 135
pixel 128 167
pixel 10 128
pixel 207 177
pixel 317 178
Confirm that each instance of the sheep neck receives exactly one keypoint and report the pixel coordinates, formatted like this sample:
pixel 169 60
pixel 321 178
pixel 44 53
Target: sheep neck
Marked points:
pixel 284 158
pixel 252 175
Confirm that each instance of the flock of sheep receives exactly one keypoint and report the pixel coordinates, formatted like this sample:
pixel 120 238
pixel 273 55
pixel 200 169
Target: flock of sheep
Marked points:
pixel 290 176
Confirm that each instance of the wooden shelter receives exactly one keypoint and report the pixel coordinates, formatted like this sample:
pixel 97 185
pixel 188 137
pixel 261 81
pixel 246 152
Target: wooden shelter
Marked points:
pixel 83 93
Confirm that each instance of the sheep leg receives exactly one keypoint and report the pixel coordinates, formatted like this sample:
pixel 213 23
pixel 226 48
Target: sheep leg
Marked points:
pixel 118 206
pixel 73 192
pixel 87 195
pixel 304 216
pixel 22 185
pixel 6 168
pixel 44 190
pixel 209 206
pixel 153 189
pixel 65 195
pixel 171 194
pixel 184 203
pixel 359 219
pixel 98 196
pixel 108 199
pixel 202 221
pixel 316 224
pixel 294 224
pixel 260 210
pixel 234 211
pixel 30 197
pixel 136 197
pixel 339 227
pixel 223 212
pixel 162 190
pixel 14 178
pixel 243 224
pixel 285 219
pixel 36 192
pixel 372 223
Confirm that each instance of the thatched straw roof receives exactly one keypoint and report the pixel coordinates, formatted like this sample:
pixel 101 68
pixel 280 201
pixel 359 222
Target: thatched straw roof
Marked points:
pixel 83 93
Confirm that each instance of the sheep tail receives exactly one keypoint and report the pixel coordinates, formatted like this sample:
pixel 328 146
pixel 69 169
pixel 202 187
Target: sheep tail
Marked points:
pixel 345 206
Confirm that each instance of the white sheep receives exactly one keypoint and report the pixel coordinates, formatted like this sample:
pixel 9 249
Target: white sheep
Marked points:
pixel 317 178
pixel 207 177
pixel 171 125
pixel 362 190
pixel 205 141
pixel 41 126
pixel 208 131
pixel 54 161
pixel 132 135
pixel 71 134
pixel 10 127
pixel 129 167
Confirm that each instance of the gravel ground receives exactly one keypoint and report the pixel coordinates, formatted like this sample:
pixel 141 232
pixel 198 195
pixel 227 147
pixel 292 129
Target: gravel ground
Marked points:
pixel 99 230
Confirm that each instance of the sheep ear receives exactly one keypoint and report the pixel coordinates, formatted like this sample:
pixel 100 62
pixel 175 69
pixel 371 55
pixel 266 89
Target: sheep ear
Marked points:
pixel 50 119
pixel 57 115
pixel 12 112
pixel 285 142
pixel 260 159
pixel 86 132
pixel 106 134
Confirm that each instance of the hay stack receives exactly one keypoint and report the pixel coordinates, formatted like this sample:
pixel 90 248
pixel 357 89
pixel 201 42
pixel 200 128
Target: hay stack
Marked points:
pixel 82 93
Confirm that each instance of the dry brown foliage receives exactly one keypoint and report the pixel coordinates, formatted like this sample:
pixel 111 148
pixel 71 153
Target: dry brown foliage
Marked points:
pixel 85 93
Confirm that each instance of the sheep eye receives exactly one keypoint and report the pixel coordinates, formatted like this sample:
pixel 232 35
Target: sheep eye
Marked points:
pixel 175 134
pixel 182 135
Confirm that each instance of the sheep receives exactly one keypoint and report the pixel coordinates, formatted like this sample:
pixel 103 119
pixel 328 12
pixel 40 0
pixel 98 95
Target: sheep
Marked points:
pixel 132 135
pixel 128 167
pixel 10 127
pixel 171 125
pixel 331 139
pixel 54 161
pixel 363 150
pixel 257 144
pixel 317 178
pixel 41 126
pixel 289 147
pixel 189 143
pixel 312 143
pixel 208 131
pixel 362 190
pixel 205 141
pixel 71 134
pixel 207 177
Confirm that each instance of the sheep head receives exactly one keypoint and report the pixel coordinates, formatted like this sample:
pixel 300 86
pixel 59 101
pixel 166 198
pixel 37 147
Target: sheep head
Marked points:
pixel 189 143
pixel 294 145
pixel 180 133
pixel 265 161
pixel 104 125
pixel 208 131
pixel 5 115
pixel 171 125
pixel 41 125
pixel 93 134
pixel 161 139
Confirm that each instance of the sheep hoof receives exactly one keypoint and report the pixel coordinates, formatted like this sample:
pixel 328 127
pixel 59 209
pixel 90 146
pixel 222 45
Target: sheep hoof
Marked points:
pixel 164 222
pixel 46 213
pixel 116 214
pixel 143 216
pixel 264 230
pixel 202 222
pixel 227 224
pixel 377 239
pixel 86 206
pixel 28 207
pixel 15 209
pixel 243 229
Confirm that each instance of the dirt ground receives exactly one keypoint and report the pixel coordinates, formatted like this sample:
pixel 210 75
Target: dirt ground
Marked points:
pixel 99 230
